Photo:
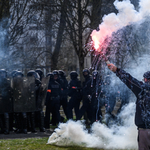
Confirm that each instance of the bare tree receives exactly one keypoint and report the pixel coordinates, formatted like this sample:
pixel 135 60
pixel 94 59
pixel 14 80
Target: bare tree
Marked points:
pixel 25 33
pixel 81 18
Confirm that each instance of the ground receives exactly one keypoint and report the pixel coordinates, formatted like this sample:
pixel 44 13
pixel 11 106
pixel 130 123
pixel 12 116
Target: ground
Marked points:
pixel 13 135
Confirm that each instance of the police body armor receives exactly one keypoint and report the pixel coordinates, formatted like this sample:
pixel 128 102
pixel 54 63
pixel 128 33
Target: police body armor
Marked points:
pixel 24 94
pixel 6 103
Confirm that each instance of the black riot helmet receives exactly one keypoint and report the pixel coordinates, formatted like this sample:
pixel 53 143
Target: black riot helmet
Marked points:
pixel 32 73
pixel 18 74
pixel 94 74
pixel 61 73
pixel 147 75
pixel 56 74
pixel 13 73
pixel 3 73
pixel 50 74
pixel 40 72
pixel 86 72
pixel 73 75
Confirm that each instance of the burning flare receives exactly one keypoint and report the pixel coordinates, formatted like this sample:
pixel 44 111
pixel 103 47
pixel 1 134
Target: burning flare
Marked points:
pixel 113 22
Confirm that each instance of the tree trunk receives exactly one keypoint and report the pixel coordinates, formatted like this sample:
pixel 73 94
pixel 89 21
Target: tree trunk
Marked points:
pixel 80 40
pixel 54 59
pixel 81 65
pixel 96 14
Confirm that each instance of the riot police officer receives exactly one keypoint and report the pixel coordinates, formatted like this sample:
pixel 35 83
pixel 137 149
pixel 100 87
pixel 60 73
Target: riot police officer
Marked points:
pixel 57 77
pixel 86 93
pixel 74 91
pixel 64 91
pixel 6 101
pixel 58 80
pixel 31 115
pixel 39 114
pixel 52 101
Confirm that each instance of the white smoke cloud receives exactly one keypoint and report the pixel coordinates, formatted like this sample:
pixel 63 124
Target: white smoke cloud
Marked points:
pixel 144 7
pixel 117 137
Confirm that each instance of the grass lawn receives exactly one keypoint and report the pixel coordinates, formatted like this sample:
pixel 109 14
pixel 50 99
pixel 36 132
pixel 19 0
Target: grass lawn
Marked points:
pixel 33 144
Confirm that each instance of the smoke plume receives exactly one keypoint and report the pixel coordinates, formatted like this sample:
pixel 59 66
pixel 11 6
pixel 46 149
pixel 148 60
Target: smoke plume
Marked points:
pixel 126 15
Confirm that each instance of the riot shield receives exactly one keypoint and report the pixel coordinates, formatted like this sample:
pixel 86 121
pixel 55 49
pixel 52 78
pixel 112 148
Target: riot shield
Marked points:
pixel 6 102
pixel 41 94
pixel 24 94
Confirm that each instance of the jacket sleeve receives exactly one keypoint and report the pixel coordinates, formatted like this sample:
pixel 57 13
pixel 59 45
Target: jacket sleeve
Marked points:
pixel 131 82
pixel 48 94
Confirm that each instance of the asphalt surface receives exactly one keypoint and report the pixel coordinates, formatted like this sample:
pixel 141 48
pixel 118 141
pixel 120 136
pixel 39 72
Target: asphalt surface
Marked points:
pixel 38 134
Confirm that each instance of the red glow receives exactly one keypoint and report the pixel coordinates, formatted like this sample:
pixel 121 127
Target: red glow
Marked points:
pixel 73 87
pixel 98 37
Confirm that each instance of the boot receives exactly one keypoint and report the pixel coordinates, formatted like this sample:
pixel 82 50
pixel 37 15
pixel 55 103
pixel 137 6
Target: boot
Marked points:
pixel 1 124
pixel 6 122
pixel 42 129
pixel 18 119
pixel 24 130
pixel 33 122
pixel 29 122
pixel 11 119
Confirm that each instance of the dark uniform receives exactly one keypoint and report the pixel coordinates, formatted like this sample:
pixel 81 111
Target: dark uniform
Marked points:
pixel 58 80
pixel 39 114
pixel 5 91
pixel 87 96
pixel 52 101
pixel 91 90
pixel 74 91
pixel 64 91
pixel 31 115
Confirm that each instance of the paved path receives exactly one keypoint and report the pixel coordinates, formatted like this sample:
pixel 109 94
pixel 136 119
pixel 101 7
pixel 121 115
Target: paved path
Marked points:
pixel 13 135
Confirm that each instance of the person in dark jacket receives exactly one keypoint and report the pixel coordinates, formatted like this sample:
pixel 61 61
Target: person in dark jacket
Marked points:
pixel 74 91
pixel 52 101
pixel 31 115
pixel 58 80
pixel 64 92
pixel 142 93
pixel 39 114
pixel 87 96
pixel 5 100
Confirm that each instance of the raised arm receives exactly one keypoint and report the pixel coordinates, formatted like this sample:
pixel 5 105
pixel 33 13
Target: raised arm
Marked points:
pixel 131 82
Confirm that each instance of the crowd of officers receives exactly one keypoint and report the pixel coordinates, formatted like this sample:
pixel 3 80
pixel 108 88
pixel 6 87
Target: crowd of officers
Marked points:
pixel 59 89
pixel 59 92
